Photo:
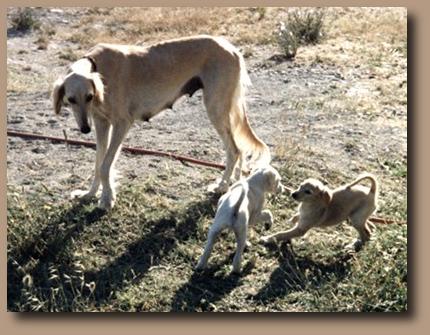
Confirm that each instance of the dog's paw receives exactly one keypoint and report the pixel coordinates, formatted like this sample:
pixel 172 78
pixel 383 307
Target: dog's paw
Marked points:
pixel 82 195
pixel 268 225
pixel 106 203
pixel 236 271
pixel 354 247
pixel 200 266
pixel 267 240
pixel 267 218
pixel 219 187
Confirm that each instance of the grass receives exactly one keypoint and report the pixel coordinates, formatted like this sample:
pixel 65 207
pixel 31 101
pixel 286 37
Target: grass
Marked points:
pixel 65 256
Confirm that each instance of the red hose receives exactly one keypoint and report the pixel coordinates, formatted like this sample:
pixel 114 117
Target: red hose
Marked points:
pixel 151 152
pixel 124 148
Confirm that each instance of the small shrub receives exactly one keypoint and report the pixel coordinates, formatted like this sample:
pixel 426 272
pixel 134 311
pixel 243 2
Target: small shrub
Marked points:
pixel 287 40
pixel 302 26
pixel 24 20
pixel 68 54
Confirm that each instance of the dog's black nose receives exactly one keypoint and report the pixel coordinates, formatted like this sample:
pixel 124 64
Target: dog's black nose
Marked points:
pixel 294 195
pixel 85 129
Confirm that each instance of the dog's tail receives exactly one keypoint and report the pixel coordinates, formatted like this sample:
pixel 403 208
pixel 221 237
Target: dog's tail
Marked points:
pixel 374 183
pixel 254 151
pixel 239 202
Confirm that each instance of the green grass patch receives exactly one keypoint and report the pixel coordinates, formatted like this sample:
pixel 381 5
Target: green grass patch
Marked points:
pixel 69 256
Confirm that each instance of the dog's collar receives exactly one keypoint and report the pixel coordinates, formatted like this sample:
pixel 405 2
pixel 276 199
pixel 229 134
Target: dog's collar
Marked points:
pixel 93 63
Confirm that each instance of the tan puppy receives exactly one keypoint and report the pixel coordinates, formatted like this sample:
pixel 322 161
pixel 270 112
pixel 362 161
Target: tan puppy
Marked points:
pixel 115 85
pixel 241 207
pixel 321 207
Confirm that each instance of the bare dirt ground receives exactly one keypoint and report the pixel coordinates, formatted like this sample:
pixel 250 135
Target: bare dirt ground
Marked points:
pixel 291 104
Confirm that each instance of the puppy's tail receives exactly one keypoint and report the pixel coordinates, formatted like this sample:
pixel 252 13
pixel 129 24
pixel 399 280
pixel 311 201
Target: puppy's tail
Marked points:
pixel 253 150
pixel 240 200
pixel 374 183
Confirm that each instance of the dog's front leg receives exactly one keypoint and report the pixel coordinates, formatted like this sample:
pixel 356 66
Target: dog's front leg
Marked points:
pixel 297 231
pixel 266 217
pixel 119 130
pixel 102 127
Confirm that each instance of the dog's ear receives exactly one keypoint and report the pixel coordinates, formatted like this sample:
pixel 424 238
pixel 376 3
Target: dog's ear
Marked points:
pixel 98 85
pixel 58 95
pixel 270 180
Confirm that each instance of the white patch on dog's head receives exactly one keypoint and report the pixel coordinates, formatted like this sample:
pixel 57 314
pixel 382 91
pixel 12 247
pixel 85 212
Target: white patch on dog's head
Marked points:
pixel 80 91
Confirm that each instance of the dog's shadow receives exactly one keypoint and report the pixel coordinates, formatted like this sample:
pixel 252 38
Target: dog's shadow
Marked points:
pixel 133 264
pixel 47 247
pixel 51 247
pixel 296 273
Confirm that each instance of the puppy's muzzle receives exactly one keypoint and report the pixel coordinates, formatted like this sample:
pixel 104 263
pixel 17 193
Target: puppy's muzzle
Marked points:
pixel 295 195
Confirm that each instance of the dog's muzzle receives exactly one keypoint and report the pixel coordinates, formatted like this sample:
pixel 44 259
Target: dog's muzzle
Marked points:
pixel 85 129
pixel 295 195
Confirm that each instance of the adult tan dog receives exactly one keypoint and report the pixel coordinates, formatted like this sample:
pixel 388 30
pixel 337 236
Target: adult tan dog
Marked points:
pixel 321 207
pixel 242 207
pixel 114 85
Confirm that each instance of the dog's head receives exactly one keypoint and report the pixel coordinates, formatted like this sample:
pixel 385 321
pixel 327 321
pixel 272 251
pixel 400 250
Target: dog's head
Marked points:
pixel 81 91
pixel 312 190
pixel 270 178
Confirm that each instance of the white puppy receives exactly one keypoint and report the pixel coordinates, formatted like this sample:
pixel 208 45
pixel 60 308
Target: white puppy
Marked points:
pixel 241 207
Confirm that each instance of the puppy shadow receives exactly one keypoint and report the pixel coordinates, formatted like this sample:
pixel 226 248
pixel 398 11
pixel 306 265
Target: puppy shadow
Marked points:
pixel 296 273
pixel 204 288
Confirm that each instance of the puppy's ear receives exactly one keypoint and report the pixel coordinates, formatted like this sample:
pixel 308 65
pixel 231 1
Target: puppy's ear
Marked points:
pixel 98 85
pixel 270 180
pixel 58 95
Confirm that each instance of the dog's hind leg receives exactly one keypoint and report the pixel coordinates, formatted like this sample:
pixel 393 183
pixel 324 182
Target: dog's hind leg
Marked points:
pixel 359 222
pixel 119 131
pixel 213 233
pixel 217 99
pixel 240 231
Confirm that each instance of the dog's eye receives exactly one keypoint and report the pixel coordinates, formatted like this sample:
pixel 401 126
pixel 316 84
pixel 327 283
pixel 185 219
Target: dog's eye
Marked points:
pixel 72 100
pixel 89 97
pixel 308 192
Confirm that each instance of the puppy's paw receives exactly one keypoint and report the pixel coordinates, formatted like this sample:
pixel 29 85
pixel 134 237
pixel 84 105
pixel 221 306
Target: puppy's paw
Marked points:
pixel 200 266
pixel 236 271
pixel 267 240
pixel 267 218
pixel 354 247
